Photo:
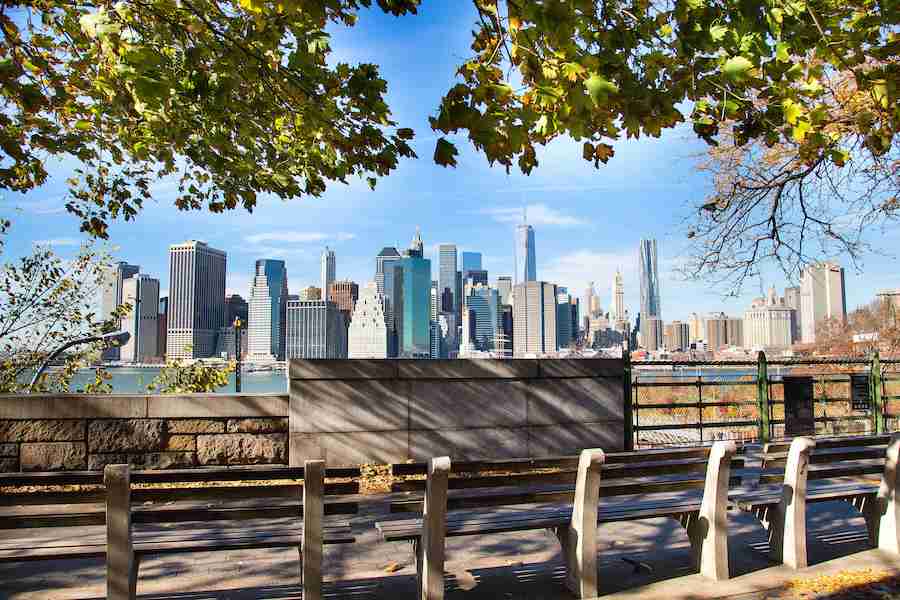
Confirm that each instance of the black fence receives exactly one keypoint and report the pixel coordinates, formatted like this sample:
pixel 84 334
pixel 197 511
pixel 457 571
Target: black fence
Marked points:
pixel 684 403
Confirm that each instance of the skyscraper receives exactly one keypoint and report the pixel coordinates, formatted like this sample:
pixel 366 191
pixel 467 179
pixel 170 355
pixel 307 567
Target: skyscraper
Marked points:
pixel 504 287
pixel 534 320
pixel 650 308
pixel 768 323
pixel 384 280
pixel 367 335
pixel 196 299
pixel 236 308
pixel 387 255
pixel 412 275
pixel 526 269
pixel 344 293
pixel 162 326
pixel 111 297
pixel 268 302
pixel 566 321
pixel 482 304
pixel 328 268
pixel 590 299
pixel 417 247
pixel 447 275
pixel 471 261
pixel 475 277
pixel 792 298
pixel 617 306
pixel 315 329
pixel 142 293
pixel 435 307
pixel 822 297
pixel 310 292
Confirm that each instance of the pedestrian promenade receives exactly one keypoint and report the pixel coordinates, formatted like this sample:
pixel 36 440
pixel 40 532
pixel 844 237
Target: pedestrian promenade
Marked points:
pixel 643 559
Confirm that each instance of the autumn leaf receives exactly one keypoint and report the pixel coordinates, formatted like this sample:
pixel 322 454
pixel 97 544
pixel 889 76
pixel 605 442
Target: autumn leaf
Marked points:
pixel 445 153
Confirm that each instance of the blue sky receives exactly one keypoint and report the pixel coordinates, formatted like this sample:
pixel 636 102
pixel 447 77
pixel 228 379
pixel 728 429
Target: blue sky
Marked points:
pixel 587 221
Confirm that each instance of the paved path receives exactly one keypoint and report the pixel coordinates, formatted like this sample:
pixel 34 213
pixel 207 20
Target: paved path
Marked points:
pixel 521 565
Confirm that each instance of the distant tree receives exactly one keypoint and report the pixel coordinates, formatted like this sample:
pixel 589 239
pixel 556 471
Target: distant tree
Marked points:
pixel 779 201
pixel 178 377
pixel 46 301
pixel 876 327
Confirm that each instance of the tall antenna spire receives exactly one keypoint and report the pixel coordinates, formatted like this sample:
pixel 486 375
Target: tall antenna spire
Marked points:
pixel 524 215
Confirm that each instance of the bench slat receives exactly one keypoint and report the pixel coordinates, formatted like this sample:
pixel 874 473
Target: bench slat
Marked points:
pixel 558 462
pixel 235 492
pixel 609 472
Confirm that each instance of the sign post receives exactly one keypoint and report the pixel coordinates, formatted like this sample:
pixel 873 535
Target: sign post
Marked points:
pixel 799 418
pixel 237 355
pixel 860 398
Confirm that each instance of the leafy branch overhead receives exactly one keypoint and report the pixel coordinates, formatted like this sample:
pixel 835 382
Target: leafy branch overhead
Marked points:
pixel 235 99
pixel 600 71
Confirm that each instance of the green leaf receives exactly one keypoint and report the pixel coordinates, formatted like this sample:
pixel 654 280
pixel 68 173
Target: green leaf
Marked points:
pixel 572 70
pixel 599 88
pixel 792 111
pixel 718 32
pixel 82 125
pixel 839 157
pixel 737 68
pixel 781 52
pixel 800 130
pixel 445 153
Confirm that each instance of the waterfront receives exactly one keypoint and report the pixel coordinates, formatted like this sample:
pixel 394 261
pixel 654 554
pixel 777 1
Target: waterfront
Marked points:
pixel 133 381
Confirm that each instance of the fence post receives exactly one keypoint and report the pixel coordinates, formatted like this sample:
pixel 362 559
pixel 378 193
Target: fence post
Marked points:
pixel 627 393
pixel 762 396
pixel 877 400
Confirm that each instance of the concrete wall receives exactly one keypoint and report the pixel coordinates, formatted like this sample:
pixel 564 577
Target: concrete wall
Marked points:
pixel 356 411
pixel 76 432
pixel 346 411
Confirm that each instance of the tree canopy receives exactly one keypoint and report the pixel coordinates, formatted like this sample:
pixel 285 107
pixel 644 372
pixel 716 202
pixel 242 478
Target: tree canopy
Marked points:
pixel 238 99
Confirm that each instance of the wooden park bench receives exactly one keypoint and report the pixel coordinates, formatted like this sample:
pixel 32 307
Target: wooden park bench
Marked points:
pixel 574 494
pixel 794 473
pixel 159 512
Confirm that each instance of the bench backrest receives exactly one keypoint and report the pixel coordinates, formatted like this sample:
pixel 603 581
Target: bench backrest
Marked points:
pixel 234 494
pixel 830 458
pixel 485 483
pixel 62 498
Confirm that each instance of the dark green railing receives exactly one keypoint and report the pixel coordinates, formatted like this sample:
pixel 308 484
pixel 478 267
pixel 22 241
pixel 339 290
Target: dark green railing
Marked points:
pixel 719 402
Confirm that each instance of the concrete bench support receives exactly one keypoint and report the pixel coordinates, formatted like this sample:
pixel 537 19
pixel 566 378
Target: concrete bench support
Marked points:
pixel 430 550
pixel 787 519
pixel 313 539
pixel 121 565
pixel 708 532
pixel 888 508
pixel 579 539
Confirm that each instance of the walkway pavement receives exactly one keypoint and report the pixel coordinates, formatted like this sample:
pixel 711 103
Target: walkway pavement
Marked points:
pixel 634 555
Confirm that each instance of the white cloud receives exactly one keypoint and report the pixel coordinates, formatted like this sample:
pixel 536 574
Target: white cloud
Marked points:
pixel 297 237
pixel 44 206
pixel 538 214
pixel 578 269
pixel 59 242
pixel 237 283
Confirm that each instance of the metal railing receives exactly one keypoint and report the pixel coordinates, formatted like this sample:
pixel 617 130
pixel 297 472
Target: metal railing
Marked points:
pixel 695 402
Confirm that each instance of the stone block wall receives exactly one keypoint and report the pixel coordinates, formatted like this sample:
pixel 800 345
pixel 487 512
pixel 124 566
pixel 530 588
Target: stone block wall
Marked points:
pixel 385 411
pixel 78 432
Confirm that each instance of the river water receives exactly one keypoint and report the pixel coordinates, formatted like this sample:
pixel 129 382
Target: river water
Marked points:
pixel 134 381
